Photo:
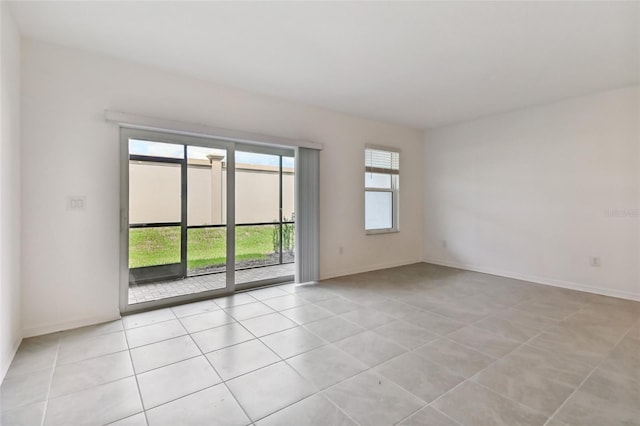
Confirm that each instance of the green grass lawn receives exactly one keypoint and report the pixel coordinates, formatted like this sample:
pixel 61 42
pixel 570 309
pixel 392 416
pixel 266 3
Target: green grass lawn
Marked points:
pixel 205 246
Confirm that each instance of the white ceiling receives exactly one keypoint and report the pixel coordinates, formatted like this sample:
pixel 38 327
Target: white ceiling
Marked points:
pixel 419 64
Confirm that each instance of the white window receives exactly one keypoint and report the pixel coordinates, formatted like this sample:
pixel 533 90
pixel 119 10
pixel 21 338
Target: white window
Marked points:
pixel 381 179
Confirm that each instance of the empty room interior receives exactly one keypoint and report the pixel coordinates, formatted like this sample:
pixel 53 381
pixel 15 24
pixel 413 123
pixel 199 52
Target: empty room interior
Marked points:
pixel 320 213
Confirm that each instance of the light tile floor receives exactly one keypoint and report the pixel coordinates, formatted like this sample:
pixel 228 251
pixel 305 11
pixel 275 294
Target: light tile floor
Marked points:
pixel 416 345
pixel 164 289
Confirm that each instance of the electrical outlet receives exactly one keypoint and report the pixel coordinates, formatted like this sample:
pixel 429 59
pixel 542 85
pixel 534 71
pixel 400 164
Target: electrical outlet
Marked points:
pixel 76 202
pixel 340 249
pixel 444 244
pixel 594 261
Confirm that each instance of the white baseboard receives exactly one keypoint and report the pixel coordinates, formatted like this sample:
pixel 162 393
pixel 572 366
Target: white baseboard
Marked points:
pixel 369 268
pixel 39 330
pixel 14 350
pixel 621 294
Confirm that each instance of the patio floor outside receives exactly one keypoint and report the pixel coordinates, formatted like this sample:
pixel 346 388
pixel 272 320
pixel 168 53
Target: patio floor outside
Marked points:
pixel 164 289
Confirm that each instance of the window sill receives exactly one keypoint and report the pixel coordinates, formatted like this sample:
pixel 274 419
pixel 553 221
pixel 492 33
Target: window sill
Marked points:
pixel 381 231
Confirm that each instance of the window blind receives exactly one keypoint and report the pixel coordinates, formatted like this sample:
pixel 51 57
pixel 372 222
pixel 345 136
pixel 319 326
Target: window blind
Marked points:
pixel 382 161
pixel 307 215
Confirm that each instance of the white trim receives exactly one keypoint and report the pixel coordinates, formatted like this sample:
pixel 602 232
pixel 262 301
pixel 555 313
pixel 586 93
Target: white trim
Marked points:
pixel 369 268
pixel 5 368
pixel 381 231
pixel 68 325
pixel 202 130
pixel 621 294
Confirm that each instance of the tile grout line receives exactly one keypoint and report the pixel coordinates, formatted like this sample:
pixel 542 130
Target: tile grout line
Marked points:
pixel 178 398
pixel 223 382
pixel 95 386
pixel 93 357
pixel 136 379
pixel 202 353
pixel 284 360
pixel 466 379
pixel 584 308
pixel 330 343
pixel 332 402
pixel 368 369
pixel 399 422
pixel 372 371
pixel 523 344
pixel 125 329
pixel 597 365
pixel 321 391
pixel 447 416
pixel 488 389
pixel 166 365
pixel 235 398
pixel 229 389
pixel 471 324
pixel 53 371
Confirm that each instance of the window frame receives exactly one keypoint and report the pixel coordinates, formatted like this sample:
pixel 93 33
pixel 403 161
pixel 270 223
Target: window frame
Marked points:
pixel 394 190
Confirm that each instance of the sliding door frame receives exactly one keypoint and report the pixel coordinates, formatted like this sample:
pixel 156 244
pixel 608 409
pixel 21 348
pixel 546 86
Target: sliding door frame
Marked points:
pixel 127 133
pixel 280 152
pixel 157 136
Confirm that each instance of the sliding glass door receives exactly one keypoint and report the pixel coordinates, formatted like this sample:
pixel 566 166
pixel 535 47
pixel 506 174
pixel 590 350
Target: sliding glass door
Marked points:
pixel 155 219
pixel 264 235
pixel 206 214
pixel 202 217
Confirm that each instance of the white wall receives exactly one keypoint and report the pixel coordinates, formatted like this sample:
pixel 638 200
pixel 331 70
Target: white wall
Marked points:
pixel 71 258
pixel 535 193
pixel 10 315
